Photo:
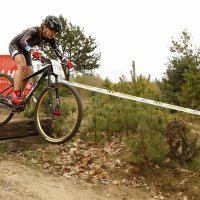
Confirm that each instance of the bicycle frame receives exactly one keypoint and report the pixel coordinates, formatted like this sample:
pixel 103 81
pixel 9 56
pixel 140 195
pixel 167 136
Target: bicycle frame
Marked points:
pixel 47 71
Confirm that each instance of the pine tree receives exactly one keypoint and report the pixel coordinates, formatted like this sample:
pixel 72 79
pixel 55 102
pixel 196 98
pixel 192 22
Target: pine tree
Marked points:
pixel 180 84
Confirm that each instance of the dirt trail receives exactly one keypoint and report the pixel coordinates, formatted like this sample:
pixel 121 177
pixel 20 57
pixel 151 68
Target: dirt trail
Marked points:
pixel 19 182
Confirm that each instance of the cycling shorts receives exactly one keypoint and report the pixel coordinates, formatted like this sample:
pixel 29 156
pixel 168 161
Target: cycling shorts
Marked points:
pixel 15 50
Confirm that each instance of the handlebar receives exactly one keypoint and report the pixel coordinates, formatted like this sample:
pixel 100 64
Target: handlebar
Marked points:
pixel 64 65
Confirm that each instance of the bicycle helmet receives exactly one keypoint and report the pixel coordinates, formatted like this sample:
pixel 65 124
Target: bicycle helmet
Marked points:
pixel 53 23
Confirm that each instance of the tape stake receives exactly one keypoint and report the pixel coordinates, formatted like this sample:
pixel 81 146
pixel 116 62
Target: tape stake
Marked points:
pixel 133 98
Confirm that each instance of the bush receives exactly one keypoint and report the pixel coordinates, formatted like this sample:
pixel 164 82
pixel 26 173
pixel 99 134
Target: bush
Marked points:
pixel 148 143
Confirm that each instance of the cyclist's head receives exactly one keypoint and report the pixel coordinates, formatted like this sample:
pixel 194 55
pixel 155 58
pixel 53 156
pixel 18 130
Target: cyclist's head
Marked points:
pixel 53 23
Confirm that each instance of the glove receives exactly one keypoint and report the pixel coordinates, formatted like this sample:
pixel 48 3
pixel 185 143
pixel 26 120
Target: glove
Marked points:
pixel 69 64
pixel 36 54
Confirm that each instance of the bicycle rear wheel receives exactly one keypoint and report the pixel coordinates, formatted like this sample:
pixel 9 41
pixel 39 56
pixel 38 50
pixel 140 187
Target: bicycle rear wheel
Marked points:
pixel 5 111
pixel 61 124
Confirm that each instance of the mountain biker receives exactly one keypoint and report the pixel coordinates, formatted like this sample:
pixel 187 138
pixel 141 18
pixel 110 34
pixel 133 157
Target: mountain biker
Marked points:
pixel 21 49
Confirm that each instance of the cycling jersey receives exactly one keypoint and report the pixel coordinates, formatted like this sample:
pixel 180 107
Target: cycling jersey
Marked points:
pixel 30 38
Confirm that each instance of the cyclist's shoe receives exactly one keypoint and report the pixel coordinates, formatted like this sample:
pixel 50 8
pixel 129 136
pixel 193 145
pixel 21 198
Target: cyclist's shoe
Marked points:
pixel 17 100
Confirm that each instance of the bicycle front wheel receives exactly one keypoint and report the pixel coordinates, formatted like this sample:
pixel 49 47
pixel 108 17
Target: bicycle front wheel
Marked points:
pixel 6 89
pixel 61 123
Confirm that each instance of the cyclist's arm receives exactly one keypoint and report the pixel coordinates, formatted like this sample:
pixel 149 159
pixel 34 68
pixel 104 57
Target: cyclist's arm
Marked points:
pixel 55 48
pixel 30 33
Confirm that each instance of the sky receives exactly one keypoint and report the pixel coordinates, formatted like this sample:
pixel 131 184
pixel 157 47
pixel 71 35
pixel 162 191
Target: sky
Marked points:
pixel 125 30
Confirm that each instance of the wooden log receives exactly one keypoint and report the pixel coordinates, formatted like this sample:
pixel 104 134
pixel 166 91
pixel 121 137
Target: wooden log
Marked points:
pixel 20 128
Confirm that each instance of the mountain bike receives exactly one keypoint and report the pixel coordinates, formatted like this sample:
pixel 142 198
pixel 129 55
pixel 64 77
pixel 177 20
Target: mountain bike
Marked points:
pixel 58 108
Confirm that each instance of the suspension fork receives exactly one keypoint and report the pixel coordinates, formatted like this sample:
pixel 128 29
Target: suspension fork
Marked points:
pixel 57 93
pixel 54 109
pixel 50 93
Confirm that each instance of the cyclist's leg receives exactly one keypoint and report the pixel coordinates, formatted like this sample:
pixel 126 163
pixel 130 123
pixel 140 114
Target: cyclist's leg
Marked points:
pixel 27 72
pixel 17 54
pixel 21 68
pixel 28 69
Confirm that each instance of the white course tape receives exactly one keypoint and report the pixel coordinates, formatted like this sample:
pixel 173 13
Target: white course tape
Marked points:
pixel 134 98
